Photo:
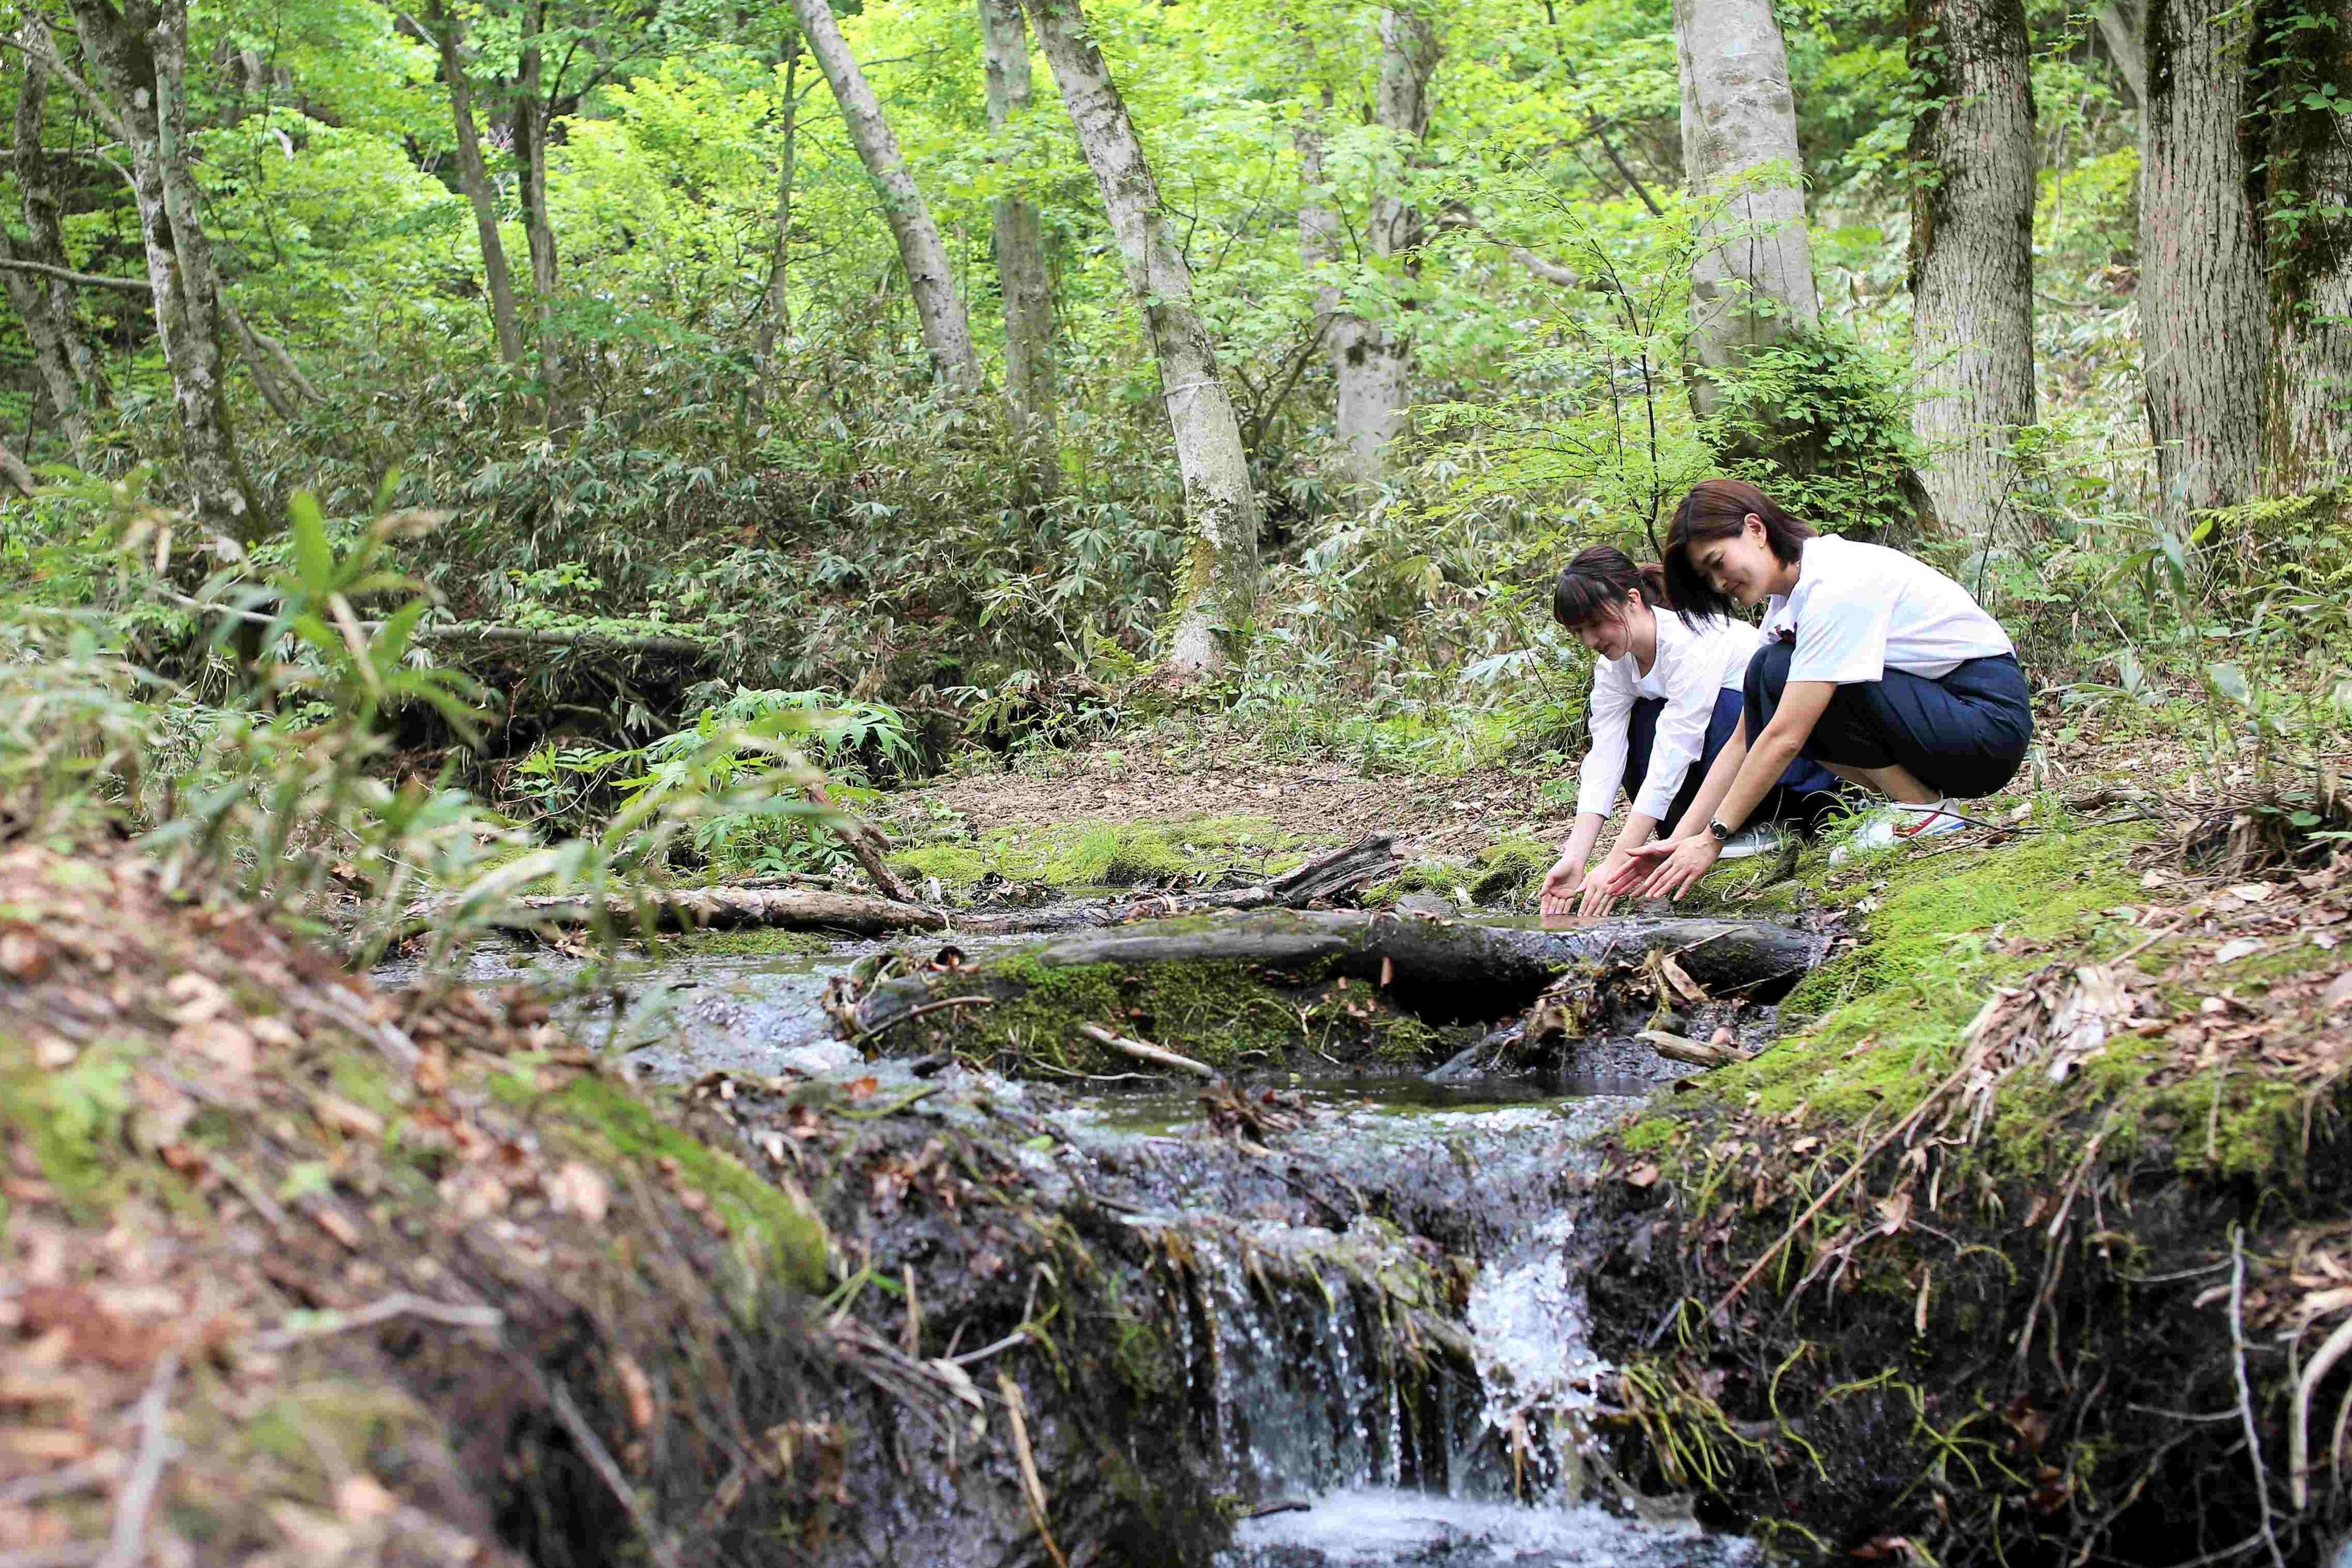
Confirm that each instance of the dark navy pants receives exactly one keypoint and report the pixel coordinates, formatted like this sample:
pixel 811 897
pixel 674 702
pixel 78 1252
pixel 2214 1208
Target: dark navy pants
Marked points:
pixel 1806 789
pixel 1963 736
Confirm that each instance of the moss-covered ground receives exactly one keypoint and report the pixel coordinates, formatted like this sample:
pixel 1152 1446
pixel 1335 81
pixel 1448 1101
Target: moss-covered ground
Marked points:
pixel 1090 854
pixel 1941 1267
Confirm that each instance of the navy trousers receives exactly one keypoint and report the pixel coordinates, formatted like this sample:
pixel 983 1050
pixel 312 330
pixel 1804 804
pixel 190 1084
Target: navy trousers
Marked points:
pixel 1806 791
pixel 1963 736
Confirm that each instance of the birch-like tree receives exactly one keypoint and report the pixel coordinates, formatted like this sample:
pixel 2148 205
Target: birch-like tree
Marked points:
pixel 1022 278
pixel 1371 359
pixel 474 179
pixel 1218 588
pixel 947 331
pixel 2204 306
pixel 1739 117
pixel 1973 253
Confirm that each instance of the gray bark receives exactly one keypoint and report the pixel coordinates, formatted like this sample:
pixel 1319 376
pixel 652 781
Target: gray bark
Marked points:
pixel 1219 587
pixel 2204 305
pixel 1972 255
pixel 701 908
pixel 138 55
pixel 947 331
pixel 1019 240
pixel 1739 116
pixel 531 113
pixel 1319 225
pixel 776 319
pixel 1372 359
pixel 69 371
pixel 2122 28
pixel 13 469
pixel 474 179
pixel 2309 175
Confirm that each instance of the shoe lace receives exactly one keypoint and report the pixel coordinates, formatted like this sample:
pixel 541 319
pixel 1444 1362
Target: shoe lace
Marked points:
pixel 1918 824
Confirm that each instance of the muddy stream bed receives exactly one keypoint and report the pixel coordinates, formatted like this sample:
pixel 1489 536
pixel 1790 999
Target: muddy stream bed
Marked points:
pixel 1311 1435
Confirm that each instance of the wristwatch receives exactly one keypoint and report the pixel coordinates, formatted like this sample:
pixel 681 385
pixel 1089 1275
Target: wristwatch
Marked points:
pixel 1718 830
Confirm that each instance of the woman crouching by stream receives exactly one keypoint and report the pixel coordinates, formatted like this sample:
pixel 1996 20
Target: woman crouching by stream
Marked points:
pixel 1874 664
pixel 1666 699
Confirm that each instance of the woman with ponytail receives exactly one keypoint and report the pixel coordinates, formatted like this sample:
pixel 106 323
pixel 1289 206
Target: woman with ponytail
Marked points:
pixel 1666 694
pixel 1872 664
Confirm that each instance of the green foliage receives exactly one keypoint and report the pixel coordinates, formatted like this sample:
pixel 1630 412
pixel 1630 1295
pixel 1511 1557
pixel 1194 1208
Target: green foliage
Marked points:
pixel 1821 422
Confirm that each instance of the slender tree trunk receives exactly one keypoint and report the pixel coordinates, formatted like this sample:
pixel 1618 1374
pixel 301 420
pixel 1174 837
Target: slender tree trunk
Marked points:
pixel 139 57
pixel 1319 225
pixel 2308 174
pixel 47 333
pixel 1373 360
pixel 775 318
pixel 531 114
pixel 947 331
pixel 2204 307
pixel 1739 116
pixel 2122 28
pixel 1219 590
pixel 13 469
pixel 1020 244
pixel 1972 254
pixel 474 179
pixel 44 207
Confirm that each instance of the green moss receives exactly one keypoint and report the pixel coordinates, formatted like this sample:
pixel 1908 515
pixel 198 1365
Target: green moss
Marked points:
pixel 1507 868
pixel 1098 853
pixel 619 1123
pixel 752 942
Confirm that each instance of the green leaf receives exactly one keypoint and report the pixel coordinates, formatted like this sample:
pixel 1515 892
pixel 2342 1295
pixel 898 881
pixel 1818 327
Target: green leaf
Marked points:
pixel 314 557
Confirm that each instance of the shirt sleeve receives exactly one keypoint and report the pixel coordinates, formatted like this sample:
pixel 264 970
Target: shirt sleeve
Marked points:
pixel 1842 634
pixel 1604 765
pixel 1690 691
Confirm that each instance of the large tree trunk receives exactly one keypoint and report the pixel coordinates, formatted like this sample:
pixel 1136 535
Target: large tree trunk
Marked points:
pixel 139 56
pixel 474 179
pixel 2309 180
pixel 1972 254
pixel 947 331
pixel 2203 305
pixel 531 114
pixel 1372 359
pixel 1020 245
pixel 1739 116
pixel 1219 590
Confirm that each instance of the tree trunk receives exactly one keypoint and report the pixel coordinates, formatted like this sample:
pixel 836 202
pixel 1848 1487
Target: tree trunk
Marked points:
pixel 947 331
pixel 1972 254
pixel 1219 589
pixel 2123 30
pixel 1319 225
pixel 58 343
pixel 1740 115
pixel 139 57
pixel 776 318
pixel 2309 179
pixel 474 180
pixel 531 114
pixel 2204 307
pixel 1020 245
pixel 1373 360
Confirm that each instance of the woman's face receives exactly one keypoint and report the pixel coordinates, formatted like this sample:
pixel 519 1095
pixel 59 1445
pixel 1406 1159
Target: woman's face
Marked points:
pixel 1610 634
pixel 1741 566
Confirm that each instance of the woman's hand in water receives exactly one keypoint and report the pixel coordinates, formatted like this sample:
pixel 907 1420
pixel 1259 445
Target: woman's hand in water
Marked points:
pixel 1671 870
pixel 1561 885
pixel 1600 888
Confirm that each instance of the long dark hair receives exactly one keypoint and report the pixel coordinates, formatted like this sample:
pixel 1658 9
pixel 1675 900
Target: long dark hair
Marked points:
pixel 1717 508
pixel 1596 582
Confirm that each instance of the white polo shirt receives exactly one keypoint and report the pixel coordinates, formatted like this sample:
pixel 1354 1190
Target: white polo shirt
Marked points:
pixel 1860 610
pixel 1691 667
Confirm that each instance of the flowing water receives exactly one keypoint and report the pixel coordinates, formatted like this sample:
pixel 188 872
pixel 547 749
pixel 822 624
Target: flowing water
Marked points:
pixel 1347 1461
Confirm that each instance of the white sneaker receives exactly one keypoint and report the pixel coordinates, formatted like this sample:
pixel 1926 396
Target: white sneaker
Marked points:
pixel 1764 838
pixel 1899 823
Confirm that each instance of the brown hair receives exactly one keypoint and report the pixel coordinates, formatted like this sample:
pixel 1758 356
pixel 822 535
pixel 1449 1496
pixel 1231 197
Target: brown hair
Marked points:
pixel 1717 508
pixel 1596 582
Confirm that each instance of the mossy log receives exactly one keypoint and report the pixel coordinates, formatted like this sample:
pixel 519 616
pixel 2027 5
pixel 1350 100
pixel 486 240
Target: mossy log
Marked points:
pixel 1328 876
pixel 709 909
pixel 1228 983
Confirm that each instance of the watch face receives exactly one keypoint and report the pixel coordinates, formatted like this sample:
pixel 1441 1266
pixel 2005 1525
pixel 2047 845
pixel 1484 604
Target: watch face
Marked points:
pixel 1717 831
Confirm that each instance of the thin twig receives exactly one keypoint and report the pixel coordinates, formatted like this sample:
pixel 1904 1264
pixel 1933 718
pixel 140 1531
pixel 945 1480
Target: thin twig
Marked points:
pixel 77 1477
pixel 2298 1431
pixel 128 1545
pixel 2246 1392
pixel 599 1458
pixel 912 1013
pixel 399 1304
pixel 88 279
pixel 1159 1056
pixel 1033 1489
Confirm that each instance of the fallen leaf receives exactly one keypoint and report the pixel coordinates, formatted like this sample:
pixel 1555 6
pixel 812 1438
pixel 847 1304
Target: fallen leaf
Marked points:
pixel 359 1498
pixel 2339 992
pixel 1804 1145
pixel 1894 1213
pixel 22 957
pixel 199 997
pixel 1642 1177
pixel 219 1041
pixel 861 1089
pixel 581 1189
pixel 638 1389
pixel 2233 950
pixel 2253 892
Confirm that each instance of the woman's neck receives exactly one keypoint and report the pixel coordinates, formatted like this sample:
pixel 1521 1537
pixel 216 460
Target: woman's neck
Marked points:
pixel 1642 637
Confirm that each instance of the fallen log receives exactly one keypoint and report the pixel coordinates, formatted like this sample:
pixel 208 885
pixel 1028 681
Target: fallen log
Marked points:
pixel 1325 877
pixel 706 908
pixel 1439 970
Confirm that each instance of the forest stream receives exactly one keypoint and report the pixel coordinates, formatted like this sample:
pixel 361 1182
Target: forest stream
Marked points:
pixel 1305 1421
